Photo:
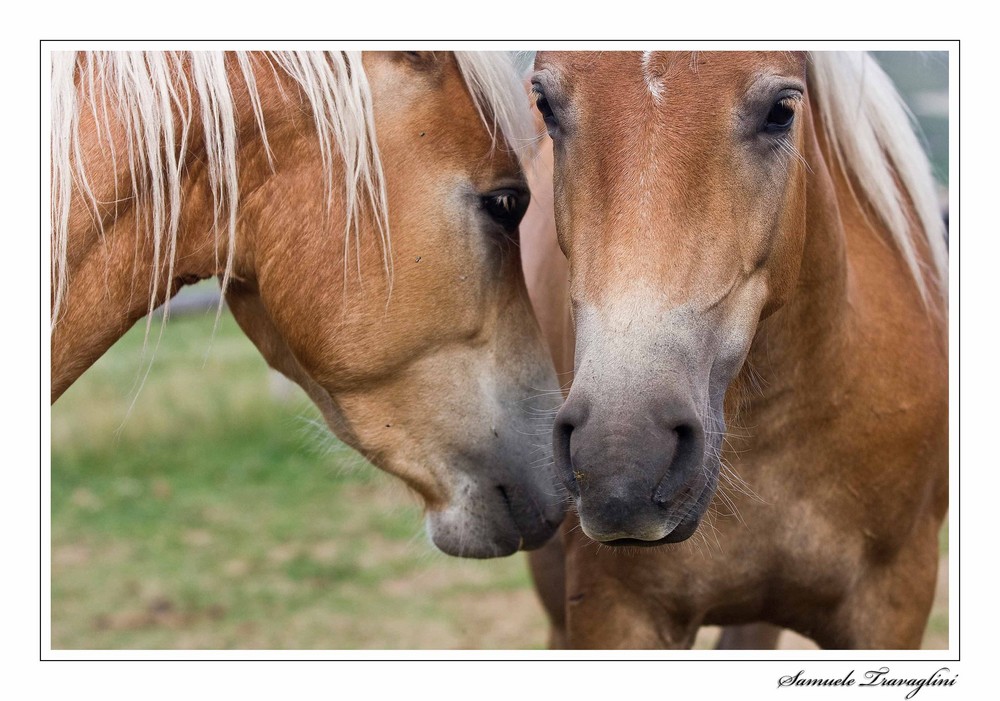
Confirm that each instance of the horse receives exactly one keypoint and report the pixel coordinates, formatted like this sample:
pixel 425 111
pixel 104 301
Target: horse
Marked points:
pixel 361 213
pixel 756 434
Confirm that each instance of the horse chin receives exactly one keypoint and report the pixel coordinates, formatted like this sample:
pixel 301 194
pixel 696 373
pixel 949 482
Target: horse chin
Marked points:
pixel 673 522
pixel 489 523
pixel 682 531
pixel 453 532
pixel 685 528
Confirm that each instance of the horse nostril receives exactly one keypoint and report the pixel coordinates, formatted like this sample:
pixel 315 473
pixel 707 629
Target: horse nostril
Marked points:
pixel 506 498
pixel 561 435
pixel 685 441
pixel 682 461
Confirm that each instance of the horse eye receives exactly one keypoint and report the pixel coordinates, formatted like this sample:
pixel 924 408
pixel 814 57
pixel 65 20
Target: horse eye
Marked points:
pixel 781 116
pixel 506 207
pixel 542 105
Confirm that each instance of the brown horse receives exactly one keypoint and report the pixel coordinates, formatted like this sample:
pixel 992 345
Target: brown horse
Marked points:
pixel 361 213
pixel 758 285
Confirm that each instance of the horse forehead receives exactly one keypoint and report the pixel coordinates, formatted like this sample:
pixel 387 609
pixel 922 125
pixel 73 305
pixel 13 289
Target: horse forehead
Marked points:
pixel 603 75
pixel 711 74
pixel 652 114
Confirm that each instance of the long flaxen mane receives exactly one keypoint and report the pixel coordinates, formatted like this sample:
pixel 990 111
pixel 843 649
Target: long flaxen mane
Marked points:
pixel 149 94
pixel 871 132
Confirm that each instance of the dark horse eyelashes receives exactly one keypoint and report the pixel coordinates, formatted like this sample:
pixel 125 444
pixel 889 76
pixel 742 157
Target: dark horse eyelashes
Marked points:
pixel 506 207
pixel 545 109
pixel 781 116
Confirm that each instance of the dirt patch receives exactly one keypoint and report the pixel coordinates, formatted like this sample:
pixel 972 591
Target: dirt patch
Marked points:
pixel 160 612
pixel 197 538
pixel 236 568
pixel 70 555
pixel 285 552
pixel 84 499
pixel 326 552
pixel 505 620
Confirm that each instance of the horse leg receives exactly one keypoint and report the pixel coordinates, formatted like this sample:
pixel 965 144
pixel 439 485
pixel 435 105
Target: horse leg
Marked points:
pixel 751 636
pixel 888 607
pixel 604 616
pixel 548 571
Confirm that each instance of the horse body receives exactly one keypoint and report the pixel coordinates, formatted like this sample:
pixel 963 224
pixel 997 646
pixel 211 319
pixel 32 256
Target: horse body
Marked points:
pixel 265 171
pixel 807 337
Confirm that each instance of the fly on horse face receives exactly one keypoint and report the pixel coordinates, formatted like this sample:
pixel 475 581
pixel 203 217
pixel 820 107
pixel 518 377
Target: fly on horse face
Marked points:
pixel 758 281
pixel 360 212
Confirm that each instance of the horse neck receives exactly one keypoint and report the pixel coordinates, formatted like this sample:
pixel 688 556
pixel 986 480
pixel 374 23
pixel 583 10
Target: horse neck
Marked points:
pixel 113 280
pixel 802 345
pixel 854 299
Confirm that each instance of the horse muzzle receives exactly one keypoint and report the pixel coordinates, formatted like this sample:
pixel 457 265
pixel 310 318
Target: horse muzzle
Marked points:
pixel 495 520
pixel 638 478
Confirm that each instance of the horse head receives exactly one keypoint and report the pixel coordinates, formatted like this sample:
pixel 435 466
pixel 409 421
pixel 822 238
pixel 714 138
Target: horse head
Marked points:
pixel 362 212
pixel 679 199
pixel 429 362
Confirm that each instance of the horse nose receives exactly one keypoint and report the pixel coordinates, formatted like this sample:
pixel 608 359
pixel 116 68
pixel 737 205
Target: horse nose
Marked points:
pixel 629 468
pixel 573 413
pixel 687 457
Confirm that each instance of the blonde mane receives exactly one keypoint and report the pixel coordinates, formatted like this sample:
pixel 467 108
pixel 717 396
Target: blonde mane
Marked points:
pixel 871 132
pixel 150 93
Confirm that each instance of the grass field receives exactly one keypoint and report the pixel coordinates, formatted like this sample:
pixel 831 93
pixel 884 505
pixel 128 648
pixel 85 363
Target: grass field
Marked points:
pixel 215 514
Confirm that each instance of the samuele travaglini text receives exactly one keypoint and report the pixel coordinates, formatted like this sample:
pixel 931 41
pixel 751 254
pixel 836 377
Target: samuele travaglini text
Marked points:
pixel 880 677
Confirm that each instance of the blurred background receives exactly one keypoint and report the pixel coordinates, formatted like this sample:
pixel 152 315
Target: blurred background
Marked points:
pixel 199 502
pixel 922 79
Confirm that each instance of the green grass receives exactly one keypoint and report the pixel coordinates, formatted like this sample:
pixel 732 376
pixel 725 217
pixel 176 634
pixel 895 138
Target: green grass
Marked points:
pixel 214 514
